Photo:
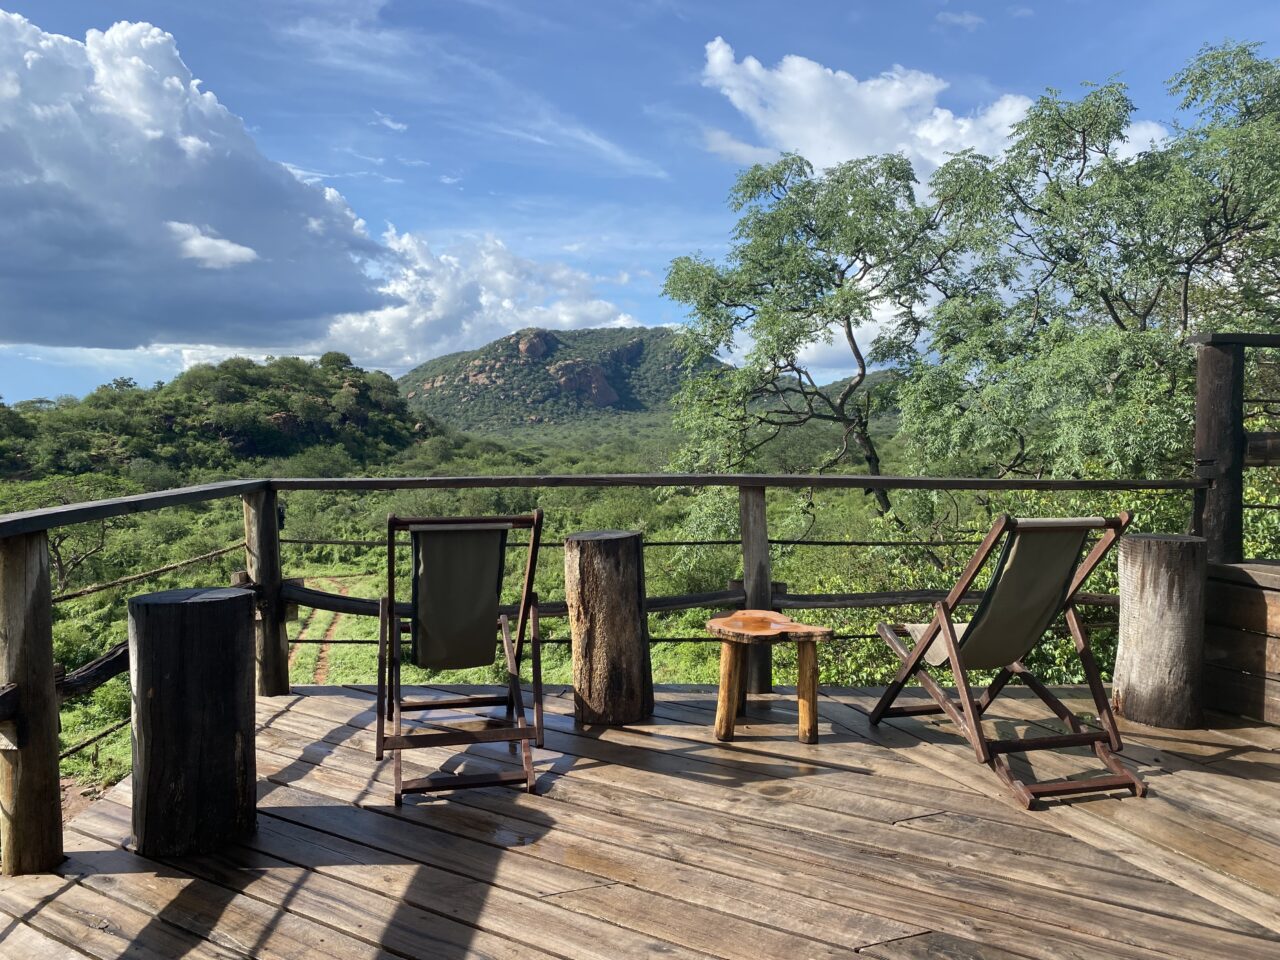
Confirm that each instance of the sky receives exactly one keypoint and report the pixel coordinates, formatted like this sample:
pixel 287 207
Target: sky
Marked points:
pixel 399 179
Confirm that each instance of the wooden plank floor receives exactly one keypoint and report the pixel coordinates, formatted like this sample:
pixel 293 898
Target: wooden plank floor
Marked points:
pixel 655 840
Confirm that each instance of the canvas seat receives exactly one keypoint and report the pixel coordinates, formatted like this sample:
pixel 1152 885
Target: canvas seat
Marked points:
pixel 454 620
pixel 1036 578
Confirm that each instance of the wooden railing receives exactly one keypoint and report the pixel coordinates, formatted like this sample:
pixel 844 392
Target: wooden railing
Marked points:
pixel 1223 448
pixel 31 689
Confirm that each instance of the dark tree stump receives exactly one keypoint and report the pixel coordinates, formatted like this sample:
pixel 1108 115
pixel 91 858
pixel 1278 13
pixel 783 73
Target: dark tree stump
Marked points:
pixel 604 587
pixel 1160 657
pixel 191 669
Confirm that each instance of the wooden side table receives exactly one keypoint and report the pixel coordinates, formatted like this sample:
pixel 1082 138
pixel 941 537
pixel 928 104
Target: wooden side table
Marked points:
pixel 737 631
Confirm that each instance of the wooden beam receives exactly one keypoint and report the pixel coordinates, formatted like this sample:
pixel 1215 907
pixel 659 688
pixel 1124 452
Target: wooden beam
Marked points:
pixel 30 801
pixel 1262 449
pixel 262 560
pixel 1220 446
pixel 29 521
pixel 1236 339
pixel 94 673
pixel 757 581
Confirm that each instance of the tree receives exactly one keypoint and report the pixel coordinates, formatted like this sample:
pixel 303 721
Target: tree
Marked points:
pixel 815 260
pixel 1034 306
pixel 1066 350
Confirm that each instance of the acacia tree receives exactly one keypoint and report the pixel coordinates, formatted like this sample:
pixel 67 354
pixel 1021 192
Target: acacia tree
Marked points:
pixel 816 260
pixel 1035 305
pixel 1068 354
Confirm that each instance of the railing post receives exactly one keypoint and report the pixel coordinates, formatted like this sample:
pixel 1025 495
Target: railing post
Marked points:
pixel 1220 445
pixel 262 561
pixel 757 581
pixel 30 801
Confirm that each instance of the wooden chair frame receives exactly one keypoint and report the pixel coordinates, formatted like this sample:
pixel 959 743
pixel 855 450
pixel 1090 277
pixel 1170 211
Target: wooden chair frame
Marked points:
pixel 967 711
pixel 395 621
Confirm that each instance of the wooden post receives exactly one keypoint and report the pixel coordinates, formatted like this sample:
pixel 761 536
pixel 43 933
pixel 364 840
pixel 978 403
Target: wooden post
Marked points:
pixel 1160 658
pixel 1220 446
pixel 30 801
pixel 191 677
pixel 604 591
pixel 262 558
pixel 757 582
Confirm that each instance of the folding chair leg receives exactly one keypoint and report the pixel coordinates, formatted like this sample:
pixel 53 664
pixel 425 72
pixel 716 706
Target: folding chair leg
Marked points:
pixel 973 716
pixel 1094 678
pixel 535 655
pixel 515 701
pixel 910 664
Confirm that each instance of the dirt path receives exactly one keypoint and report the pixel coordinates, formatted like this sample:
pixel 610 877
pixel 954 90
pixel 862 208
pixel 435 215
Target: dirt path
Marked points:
pixel 322 659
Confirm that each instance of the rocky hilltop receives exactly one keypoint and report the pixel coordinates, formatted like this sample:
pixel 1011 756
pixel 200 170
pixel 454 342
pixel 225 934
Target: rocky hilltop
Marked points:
pixel 539 376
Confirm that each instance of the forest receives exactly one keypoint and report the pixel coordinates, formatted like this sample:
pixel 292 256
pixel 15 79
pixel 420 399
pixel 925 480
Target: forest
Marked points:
pixel 1021 315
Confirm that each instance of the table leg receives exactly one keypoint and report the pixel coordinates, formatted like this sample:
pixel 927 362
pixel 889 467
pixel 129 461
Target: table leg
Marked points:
pixel 807 689
pixel 731 665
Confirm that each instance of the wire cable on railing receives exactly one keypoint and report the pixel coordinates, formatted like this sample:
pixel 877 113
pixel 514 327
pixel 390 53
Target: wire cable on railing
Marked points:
pixel 552 545
pixel 71 751
pixel 146 575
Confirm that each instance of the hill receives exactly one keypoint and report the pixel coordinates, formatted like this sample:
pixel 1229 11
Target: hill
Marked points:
pixel 212 417
pixel 549 377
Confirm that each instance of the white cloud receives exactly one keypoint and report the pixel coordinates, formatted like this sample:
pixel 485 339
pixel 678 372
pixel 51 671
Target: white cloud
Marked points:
pixel 127 193
pixel 389 122
pixel 412 64
pixel 1139 136
pixel 463 298
pixel 965 20
pixel 449 181
pixel 212 252
pixel 1021 12
pixel 829 115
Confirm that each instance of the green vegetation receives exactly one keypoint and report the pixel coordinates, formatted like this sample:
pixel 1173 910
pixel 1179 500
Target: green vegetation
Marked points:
pixel 1026 315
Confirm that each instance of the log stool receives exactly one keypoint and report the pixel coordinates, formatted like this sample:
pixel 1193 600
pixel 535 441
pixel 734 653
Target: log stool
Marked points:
pixel 191 672
pixel 737 632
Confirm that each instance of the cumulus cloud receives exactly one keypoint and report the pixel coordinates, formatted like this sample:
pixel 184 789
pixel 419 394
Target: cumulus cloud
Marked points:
pixel 209 251
pixel 458 299
pixel 829 115
pixel 138 210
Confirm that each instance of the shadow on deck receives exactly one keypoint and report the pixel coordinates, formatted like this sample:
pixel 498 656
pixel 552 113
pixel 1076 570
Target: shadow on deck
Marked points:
pixel 654 839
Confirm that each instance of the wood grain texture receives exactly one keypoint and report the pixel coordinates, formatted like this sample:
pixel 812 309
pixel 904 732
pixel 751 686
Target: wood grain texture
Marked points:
pixel 262 561
pixel 1159 659
pixel 1220 445
pixel 732 668
pixel 191 679
pixel 30 801
pixel 764 626
pixel 1240 650
pixel 604 592
pixel 1242 694
pixel 757 580
pixel 1243 607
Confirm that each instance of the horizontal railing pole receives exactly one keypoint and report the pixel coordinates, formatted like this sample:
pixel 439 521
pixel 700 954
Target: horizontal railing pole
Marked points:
pixel 791 480
pixel 46 518
pixel 95 673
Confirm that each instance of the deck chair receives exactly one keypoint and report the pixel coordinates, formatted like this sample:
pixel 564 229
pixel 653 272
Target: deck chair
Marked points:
pixel 454 621
pixel 1037 577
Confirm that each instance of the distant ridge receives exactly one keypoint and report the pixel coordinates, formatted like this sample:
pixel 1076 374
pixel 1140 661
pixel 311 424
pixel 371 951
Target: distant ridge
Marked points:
pixel 536 376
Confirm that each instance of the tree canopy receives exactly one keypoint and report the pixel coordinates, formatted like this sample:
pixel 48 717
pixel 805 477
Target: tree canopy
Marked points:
pixel 1034 306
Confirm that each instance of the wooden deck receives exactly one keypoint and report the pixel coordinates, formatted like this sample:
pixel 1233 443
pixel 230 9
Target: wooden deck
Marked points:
pixel 655 840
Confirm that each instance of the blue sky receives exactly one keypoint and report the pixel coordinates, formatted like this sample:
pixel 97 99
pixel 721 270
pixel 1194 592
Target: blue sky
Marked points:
pixel 399 179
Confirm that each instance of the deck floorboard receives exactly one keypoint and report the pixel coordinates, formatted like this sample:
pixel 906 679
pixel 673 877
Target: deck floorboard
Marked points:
pixel 653 839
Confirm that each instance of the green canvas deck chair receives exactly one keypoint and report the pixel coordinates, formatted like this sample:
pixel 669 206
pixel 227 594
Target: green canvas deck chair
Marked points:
pixel 454 620
pixel 1037 577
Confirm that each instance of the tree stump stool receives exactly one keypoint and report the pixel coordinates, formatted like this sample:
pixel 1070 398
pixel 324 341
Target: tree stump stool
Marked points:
pixel 604 591
pixel 191 672
pixel 1160 653
pixel 737 632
